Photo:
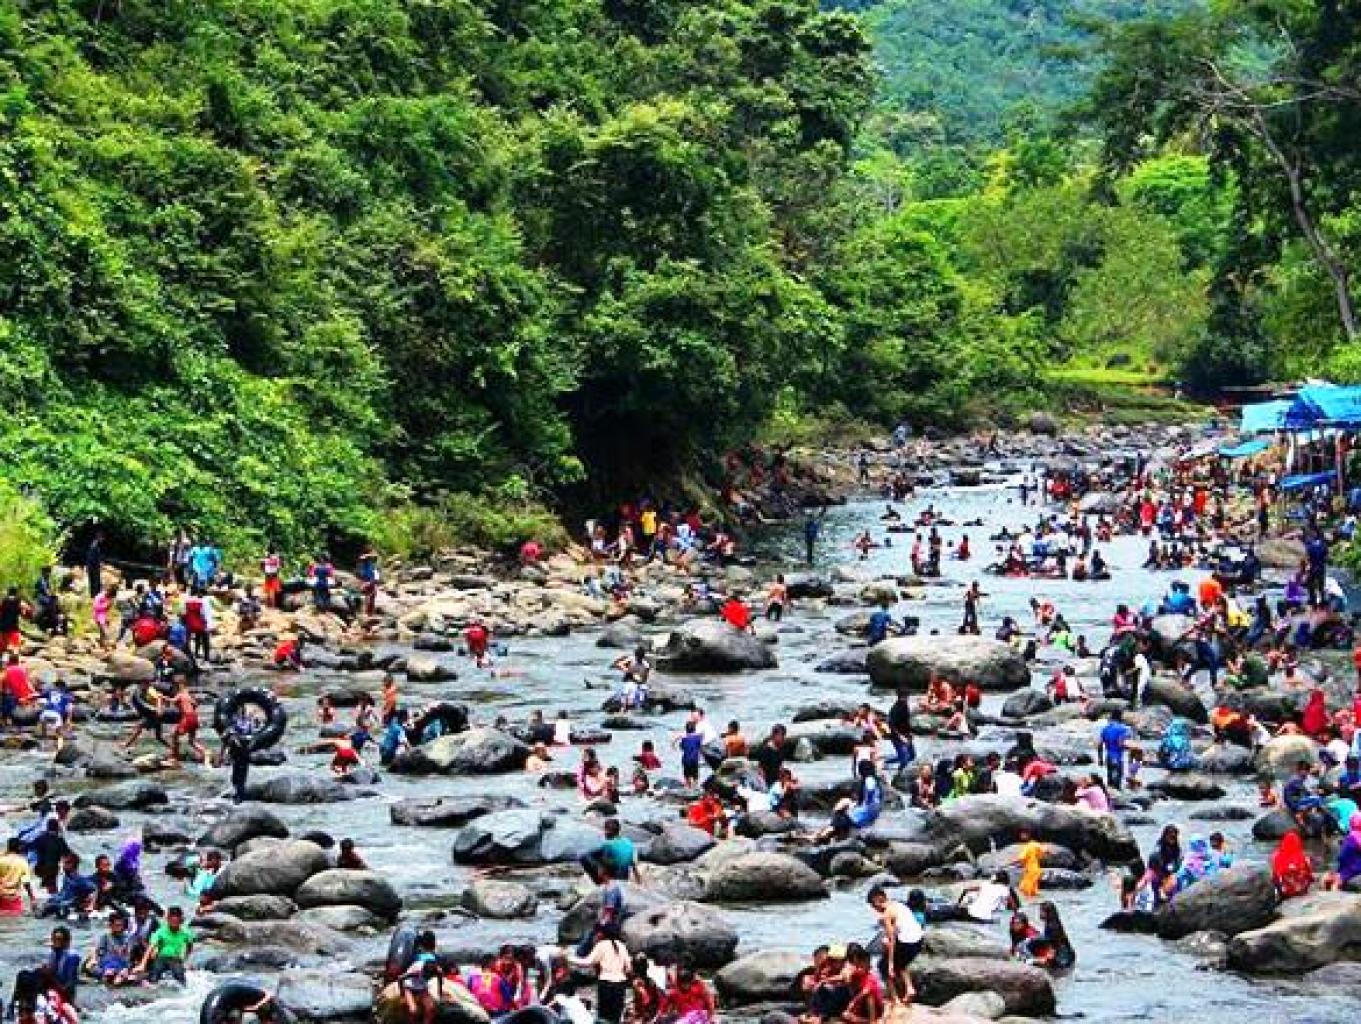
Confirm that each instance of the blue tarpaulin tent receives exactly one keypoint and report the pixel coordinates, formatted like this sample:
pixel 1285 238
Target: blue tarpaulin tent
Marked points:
pixel 1243 450
pixel 1265 417
pixel 1325 405
pixel 1300 481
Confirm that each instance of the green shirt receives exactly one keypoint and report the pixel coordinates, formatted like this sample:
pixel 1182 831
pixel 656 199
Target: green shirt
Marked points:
pixel 173 944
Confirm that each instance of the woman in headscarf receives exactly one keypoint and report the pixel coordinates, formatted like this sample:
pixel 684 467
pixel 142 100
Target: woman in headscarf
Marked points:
pixel 1164 864
pixel 1197 864
pixel 1175 750
pixel 1315 718
pixel 1290 867
pixel 128 886
pixel 1348 855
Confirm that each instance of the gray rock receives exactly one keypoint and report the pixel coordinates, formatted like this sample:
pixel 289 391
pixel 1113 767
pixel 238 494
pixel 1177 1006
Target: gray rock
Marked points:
pixel 1025 990
pixel 1273 825
pixel 481 751
pixel 134 795
pixel 450 812
pixel 488 897
pixel 1237 900
pixel 620 635
pixel 1226 759
pixel 1330 931
pixel 344 918
pixel 678 843
pixel 910 661
pixel 712 645
pixel 1024 703
pixel 765 977
pixel 257 908
pixel 241 825
pixel 1278 756
pixel 325 995
pixel 846 663
pixel 277 869
pixel 297 789
pixel 978 821
pixel 583 913
pixel 1174 695
pixel 765 878
pixel 682 930
pixel 92 819
pixel 426 668
pixel 1188 786
pixel 339 887
pixel 983 1005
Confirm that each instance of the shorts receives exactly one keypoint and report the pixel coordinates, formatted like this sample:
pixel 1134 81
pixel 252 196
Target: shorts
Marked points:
pixel 187 726
pixel 51 718
pixel 903 955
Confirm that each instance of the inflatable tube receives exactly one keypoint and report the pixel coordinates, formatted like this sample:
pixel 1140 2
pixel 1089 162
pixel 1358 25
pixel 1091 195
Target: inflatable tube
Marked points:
pixel 401 952
pixel 590 737
pixel 226 1002
pixel 148 714
pixel 276 718
pixel 452 717
pixel 530 1015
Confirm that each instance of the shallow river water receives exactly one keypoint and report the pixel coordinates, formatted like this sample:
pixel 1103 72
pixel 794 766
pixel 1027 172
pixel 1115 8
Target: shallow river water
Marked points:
pixel 1118 977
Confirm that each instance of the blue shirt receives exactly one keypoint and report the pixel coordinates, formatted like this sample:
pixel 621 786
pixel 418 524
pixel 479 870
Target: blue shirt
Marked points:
pixel 618 855
pixel 880 622
pixel 57 700
pixel 1113 739
pixel 691 744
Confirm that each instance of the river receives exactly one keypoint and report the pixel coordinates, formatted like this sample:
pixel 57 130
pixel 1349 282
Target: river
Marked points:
pixel 1118 977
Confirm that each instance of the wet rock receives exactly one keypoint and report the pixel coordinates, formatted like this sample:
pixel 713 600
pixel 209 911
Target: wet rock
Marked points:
pixel 481 751
pixel 583 913
pixel 848 663
pixel 951 941
pixel 340 887
pixel 1024 703
pixel 1178 698
pixel 803 587
pixel 1327 931
pixel 769 976
pixel 1211 948
pixel 1188 786
pixel 302 939
pixel 1166 636
pixel 1226 812
pixel 343 918
pixel 678 844
pixel 621 635
pixel 1233 901
pixel 104 764
pixel 426 668
pixel 279 868
pixel 977 821
pixel 764 878
pixel 827 738
pixel 1226 759
pixel 488 897
pixel 682 930
pixel 1273 825
pixel 1025 990
pixel 712 645
pixel 262 907
pixel 92 819
pixel 326 995
pixel 910 661
pixel 756 824
pixel 1280 754
pixel 453 812
pixel 122 667
pixel 241 825
pixel 1008 858
pixel 1131 922
pixel 523 837
pixel 125 796
pixel 1042 423
pixel 165 835
pixel 297 789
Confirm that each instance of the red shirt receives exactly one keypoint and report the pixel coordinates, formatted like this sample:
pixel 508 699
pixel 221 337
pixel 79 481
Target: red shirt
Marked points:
pixel 736 613
pixel 693 998
pixel 17 685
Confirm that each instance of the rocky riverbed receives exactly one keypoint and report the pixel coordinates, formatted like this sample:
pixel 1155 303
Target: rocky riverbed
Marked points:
pixel 748 909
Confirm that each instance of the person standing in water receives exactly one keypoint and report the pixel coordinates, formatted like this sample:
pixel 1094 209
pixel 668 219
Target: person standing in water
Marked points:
pixel 973 594
pixel 812 529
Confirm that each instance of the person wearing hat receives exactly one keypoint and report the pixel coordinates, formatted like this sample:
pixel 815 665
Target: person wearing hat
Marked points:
pixel 824 985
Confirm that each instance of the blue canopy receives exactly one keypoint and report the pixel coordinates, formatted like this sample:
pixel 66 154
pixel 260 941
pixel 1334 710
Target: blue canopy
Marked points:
pixel 1243 450
pixel 1265 417
pixel 1300 481
pixel 1325 405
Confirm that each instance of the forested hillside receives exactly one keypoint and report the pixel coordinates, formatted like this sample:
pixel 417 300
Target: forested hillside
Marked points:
pixel 322 271
pixel 969 71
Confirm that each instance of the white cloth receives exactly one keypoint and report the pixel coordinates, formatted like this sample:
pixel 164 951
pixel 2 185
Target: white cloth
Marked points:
pixel 988 901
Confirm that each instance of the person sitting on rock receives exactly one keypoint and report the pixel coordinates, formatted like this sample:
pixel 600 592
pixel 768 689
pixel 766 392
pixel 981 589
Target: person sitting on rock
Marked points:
pixel 1291 870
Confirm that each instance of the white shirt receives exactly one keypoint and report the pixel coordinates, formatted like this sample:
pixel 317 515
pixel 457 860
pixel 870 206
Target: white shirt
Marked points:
pixel 1143 671
pixel 909 928
pixel 988 901
pixel 573 1009
pixel 562 732
pixel 1007 783
pixel 706 730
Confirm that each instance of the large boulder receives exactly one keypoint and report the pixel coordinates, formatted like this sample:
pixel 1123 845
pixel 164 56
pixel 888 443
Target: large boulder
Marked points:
pixel 769 976
pixel 1024 703
pixel 979 821
pixel 450 812
pixel 712 645
pixel 298 789
pixel 92 819
pixel 582 915
pixel 339 887
pixel 1272 826
pixel 426 668
pixel 1042 423
pixel 911 661
pixel 134 795
pixel 765 878
pixel 1166 634
pixel 827 738
pixel 499 899
pixel 1188 786
pixel 257 908
pixel 1026 990
pixel 1179 698
pixel 682 930
pixel 1279 755
pixel 277 868
pixel 678 843
pixel 481 751
pixel 1237 900
pixel 1325 931
pixel 326 995
pixel 241 825
pixel 128 669
pixel 300 938
pixel 524 837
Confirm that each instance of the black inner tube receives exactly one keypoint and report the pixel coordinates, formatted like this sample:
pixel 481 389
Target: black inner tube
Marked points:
pixel 453 717
pixel 229 998
pixel 148 713
pixel 401 953
pixel 275 717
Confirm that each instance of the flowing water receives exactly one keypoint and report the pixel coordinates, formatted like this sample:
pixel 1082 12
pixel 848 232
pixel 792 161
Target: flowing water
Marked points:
pixel 1118 977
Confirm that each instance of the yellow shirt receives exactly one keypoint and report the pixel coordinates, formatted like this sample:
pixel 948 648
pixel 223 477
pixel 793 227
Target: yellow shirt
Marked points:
pixel 14 875
pixel 648 521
